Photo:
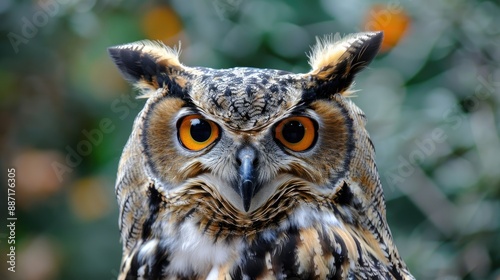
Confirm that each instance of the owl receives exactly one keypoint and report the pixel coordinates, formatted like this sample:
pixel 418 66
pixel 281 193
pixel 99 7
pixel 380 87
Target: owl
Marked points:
pixel 248 173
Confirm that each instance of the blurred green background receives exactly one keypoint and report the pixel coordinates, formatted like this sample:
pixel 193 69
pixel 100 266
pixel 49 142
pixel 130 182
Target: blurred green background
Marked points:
pixel 432 98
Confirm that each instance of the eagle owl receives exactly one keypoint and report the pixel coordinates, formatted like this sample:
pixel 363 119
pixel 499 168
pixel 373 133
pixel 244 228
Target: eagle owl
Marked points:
pixel 248 173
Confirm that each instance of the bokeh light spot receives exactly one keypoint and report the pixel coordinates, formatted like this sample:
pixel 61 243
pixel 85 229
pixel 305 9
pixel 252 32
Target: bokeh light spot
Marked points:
pixel 392 20
pixel 161 23
pixel 36 179
pixel 89 199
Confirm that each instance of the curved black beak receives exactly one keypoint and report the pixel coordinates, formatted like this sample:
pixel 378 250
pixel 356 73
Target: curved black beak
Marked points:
pixel 247 185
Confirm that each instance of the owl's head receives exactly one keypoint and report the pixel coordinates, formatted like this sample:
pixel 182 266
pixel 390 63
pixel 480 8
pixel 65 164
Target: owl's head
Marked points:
pixel 253 137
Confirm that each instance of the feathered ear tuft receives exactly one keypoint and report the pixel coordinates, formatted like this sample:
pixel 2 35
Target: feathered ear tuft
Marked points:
pixel 335 61
pixel 149 65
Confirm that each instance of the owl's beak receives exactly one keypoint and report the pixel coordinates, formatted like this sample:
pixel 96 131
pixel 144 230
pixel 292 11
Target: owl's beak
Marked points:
pixel 247 185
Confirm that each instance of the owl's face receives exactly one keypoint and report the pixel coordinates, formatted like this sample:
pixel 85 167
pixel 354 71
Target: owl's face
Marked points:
pixel 243 132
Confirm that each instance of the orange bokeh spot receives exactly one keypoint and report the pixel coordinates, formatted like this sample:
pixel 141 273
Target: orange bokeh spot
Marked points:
pixel 392 20
pixel 161 23
pixel 89 199
pixel 40 180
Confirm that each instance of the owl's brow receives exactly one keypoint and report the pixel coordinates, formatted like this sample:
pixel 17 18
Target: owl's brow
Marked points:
pixel 300 108
pixel 188 103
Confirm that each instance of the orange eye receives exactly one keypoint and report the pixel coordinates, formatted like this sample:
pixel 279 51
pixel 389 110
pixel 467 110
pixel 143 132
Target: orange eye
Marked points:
pixel 196 133
pixel 296 133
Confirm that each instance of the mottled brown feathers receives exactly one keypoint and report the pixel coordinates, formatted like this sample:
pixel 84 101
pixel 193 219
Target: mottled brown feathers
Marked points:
pixel 252 199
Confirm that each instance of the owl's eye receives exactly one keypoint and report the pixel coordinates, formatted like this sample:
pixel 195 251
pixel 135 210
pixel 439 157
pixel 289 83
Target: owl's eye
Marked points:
pixel 296 133
pixel 196 133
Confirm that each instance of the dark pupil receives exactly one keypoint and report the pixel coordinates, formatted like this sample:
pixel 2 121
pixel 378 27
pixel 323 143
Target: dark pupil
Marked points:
pixel 200 130
pixel 293 131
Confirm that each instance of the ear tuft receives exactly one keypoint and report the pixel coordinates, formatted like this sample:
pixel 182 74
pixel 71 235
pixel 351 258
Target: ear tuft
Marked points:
pixel 148 65
pixel 336 61
pixel 326 49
